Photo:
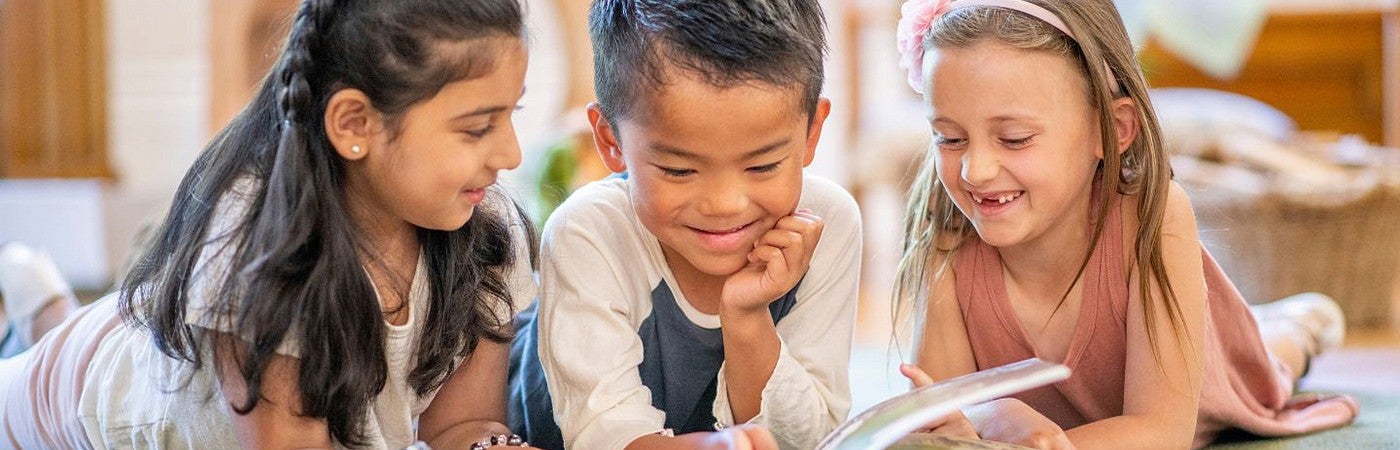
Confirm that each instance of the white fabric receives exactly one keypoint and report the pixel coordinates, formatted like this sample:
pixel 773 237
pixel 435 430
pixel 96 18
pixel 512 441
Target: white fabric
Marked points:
pixel 1215 36
pixel 599 266
pixel 28 282
pixel 132 399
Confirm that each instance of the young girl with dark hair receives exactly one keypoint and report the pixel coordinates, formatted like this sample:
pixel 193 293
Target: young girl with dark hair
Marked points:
pixel 337 268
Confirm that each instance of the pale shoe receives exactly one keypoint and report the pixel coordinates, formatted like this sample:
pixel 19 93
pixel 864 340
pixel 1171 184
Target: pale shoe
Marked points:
pixel 1315 316
pixel 29 281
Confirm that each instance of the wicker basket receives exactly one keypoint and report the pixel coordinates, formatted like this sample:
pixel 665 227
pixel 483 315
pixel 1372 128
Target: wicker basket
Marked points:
pixel 1276 241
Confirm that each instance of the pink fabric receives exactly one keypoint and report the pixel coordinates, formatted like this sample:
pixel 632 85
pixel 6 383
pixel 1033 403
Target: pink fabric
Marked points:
pixel 1244 387
pixel 40 389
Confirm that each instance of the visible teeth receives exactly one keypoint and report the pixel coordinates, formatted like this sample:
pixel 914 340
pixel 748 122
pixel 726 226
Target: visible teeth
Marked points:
pixel 1001 199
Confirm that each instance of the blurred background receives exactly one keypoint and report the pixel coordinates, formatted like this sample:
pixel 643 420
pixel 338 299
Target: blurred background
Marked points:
pixel 1283 117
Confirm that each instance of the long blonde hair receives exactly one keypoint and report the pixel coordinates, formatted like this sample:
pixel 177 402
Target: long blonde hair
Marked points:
pixel 934 229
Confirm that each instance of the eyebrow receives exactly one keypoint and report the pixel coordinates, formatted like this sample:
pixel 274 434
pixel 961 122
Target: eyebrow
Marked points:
pixel 487 110
pixel 482 111
pixel 685 154
pixel 1001 118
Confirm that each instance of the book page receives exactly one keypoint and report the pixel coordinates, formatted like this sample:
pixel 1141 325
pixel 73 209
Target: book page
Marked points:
pixel 887 422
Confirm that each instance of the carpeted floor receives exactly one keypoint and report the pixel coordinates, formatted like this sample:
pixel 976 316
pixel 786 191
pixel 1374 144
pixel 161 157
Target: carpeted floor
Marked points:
pixel 1377 427
pixel 1372 376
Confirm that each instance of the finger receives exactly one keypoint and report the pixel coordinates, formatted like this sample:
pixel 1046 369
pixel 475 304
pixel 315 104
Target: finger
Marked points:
pixel 937 426
pixel 1050 441
pixel 738 440
pixel 953 430
pixel 792 244
pixel 769 256
pixel 915 375
pixel 780 238
pixel 814 225
pixel 804 222
pixel 957 425
pixel 759 437
pixel 1062 442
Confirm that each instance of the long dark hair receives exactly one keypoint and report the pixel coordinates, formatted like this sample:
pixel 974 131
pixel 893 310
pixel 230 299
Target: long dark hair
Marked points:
pixel 294 253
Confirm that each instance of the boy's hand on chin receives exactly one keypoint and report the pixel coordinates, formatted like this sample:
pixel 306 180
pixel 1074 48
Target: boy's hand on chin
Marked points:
pixel 779 259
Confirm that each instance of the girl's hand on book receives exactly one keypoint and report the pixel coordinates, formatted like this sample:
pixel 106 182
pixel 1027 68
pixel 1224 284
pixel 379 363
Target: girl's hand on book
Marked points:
pixel 777 262
pixel 955 424
pixel 1012 421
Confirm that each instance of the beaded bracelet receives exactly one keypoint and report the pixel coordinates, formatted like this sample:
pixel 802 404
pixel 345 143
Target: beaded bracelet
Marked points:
pixel 513 440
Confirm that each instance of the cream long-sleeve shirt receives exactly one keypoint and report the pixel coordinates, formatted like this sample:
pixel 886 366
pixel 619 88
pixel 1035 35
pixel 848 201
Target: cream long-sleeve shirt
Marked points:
pixel 599 269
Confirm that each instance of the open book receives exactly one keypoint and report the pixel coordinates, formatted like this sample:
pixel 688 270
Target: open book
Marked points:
pixel 884 424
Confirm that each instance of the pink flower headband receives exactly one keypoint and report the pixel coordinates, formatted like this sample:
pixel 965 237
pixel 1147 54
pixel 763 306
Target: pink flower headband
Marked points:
pixel 917 17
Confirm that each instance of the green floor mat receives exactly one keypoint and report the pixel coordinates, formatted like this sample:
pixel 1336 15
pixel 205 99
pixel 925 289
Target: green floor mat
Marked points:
pixel 1377 427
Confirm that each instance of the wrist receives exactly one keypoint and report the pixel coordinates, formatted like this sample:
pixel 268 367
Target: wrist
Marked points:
pixel 509 440
pixel 741 313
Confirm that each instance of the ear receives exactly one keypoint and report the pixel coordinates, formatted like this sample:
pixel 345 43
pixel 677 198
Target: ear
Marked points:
pixel 352 123
pixel 814 129
pixel 605 139
pixel 1125 122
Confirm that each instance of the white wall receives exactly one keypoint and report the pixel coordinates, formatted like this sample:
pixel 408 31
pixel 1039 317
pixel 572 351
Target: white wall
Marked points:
pixel 158 105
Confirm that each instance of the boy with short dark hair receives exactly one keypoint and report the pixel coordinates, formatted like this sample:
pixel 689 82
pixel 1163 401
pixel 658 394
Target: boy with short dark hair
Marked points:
pixel 711 284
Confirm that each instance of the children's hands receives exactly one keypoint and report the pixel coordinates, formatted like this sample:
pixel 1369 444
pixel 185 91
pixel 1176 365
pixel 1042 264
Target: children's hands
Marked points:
pixel 1012 421
pixel 779 259
pixel 955 424
pixel 741 437
pixel 1004 420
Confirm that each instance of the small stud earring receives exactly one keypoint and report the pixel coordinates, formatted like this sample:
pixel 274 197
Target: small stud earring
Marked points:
pixel 355 149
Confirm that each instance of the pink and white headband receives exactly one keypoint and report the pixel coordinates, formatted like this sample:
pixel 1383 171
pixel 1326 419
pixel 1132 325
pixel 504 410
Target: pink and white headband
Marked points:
pixel 917 16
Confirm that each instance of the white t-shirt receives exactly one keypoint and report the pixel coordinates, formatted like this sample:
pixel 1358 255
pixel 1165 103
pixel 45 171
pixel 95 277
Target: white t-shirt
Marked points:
pixel 133 398
pixel 599 266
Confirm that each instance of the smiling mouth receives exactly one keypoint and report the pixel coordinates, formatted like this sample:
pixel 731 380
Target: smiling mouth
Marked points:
pixel 723 240
pixel 997 199
pixel 722 232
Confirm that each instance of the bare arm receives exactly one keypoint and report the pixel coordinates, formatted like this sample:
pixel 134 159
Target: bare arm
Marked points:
pixel 943 350
pixel 471 405
pixel 276 421
pixel 1162 386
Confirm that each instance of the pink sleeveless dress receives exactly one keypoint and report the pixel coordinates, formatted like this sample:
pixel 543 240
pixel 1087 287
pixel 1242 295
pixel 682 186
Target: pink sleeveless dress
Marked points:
pixel 1244 387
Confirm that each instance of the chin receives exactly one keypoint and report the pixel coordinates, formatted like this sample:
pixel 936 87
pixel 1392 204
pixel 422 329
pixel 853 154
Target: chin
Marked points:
pixel 448 224
pixel 998 237
pixel 720 266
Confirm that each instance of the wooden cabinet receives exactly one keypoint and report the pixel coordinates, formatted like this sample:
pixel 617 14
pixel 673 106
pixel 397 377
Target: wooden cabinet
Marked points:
pixel 53 111
pixel 1329 68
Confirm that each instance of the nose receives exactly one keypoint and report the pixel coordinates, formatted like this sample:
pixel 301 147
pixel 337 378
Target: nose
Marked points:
pixel 505 156
pixel 723 197
pixel 979 165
